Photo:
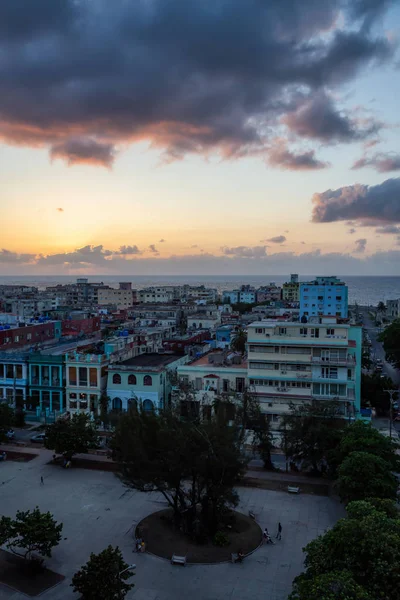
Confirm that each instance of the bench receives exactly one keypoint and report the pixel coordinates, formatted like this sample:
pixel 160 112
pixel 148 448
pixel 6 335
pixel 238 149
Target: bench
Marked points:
pixel 293 489
pixel 178 560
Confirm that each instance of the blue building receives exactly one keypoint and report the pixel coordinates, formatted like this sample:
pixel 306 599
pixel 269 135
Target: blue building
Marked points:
pixel 324 296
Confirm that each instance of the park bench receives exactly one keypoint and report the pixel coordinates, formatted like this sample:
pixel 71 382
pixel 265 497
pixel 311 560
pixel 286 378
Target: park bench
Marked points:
pixel 292 489
pixel 178 560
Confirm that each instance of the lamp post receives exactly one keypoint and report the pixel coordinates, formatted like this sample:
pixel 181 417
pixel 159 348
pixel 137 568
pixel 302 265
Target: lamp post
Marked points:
pixel 391 393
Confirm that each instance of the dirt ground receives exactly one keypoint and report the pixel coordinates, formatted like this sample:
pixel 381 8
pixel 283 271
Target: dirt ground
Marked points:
pixel 163 540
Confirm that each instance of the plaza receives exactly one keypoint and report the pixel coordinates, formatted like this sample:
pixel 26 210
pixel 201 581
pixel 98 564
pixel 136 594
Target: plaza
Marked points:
pixel 97 510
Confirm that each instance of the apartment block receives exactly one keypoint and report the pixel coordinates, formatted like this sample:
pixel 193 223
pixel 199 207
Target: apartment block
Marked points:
pixel 122 298
pixel 86 381
pixel 296 362
pixel 324 296
pixel 393 308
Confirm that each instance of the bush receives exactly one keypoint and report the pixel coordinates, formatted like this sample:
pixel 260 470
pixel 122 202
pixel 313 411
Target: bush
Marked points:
pixel 220 539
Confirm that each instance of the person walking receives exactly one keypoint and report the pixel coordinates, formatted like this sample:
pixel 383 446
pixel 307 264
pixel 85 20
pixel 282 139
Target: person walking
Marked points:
pixel 279 534
pixel 41 480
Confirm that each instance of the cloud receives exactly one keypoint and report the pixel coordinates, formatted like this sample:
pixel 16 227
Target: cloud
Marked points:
pixel 302 242
pixel 361 244
pixel 278 239
pixel 245 251
pixel 128 250
pixel 381 162
pixel 87 255
pixel 194 246
pixel 351 230
pixel 83 78
pixel 60 209
pixel 280 156
pixel 318 118
pixel 7 256
pixel 87 151
pixel 161 241
pixel 153 249
pixel 373 204
pixel 388 229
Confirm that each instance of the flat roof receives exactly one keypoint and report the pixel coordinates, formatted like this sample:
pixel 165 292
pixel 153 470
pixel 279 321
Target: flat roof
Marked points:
pixel 272 323
pixel 203 362
pixel 150 359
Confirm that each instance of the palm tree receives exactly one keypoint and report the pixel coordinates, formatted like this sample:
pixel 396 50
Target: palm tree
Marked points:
pixel 381 307
pixel 239 341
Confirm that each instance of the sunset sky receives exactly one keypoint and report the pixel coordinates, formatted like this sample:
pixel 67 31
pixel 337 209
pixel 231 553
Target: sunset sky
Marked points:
pixel 200 137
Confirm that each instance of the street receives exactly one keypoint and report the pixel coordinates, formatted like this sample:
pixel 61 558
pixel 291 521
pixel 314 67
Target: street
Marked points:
pixel 377 350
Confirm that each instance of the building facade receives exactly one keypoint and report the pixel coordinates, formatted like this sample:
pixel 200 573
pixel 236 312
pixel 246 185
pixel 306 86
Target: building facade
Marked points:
pixel 122 298
pixel 324 296
pixel 14 377
pixel 393 309
pixel 46 383
pixel 86 381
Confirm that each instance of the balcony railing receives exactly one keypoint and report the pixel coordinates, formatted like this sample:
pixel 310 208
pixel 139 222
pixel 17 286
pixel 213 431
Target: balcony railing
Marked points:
pixel 350 360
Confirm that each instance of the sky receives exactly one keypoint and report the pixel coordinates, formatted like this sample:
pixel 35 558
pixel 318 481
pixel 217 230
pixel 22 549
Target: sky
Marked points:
pixel 185 137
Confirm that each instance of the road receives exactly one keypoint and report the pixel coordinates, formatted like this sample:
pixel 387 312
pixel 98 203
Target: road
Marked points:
pixel 377 350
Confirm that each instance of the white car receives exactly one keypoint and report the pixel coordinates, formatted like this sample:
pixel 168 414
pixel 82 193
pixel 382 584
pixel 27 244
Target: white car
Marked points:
pixel 40 437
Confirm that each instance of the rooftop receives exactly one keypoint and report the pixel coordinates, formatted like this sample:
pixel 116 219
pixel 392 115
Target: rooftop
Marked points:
pixel 151 359
pixel 203 361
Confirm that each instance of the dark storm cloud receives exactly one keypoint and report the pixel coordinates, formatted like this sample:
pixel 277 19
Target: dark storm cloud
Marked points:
pixel 281 157
pixel 318 118
pixel 188 76
pixel 361 245
pixel 383 162
pixel 373 204
pixel 86 151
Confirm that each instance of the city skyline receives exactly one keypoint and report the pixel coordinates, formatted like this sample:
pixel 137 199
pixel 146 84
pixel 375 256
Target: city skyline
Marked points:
pixel 175 138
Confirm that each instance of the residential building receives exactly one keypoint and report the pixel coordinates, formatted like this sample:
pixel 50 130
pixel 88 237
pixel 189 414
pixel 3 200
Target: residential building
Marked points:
pixel 268 293
pixel 160 294
pixel 180 344
pixel 122 297
pixel 86 381
pixel 324 296
pixel 393 309
pixel 46 383
pixel 223 336
pixel 39 332
pixel 14 377
pixel 230 296
pixel 297 362
pixel 245 295
pixel 204 320
pixel 291 289
pixel 200 293
pixel 144 379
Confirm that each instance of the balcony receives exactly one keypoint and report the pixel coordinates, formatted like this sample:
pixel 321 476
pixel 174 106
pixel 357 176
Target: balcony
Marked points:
pixel 349 361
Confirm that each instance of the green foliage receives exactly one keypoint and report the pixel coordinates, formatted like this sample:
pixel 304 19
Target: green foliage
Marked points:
pixel 103 577
pixel 220 539
pixel 390 337
pixel 381 307
pixel 31 532
pixel 74 436
pixel 362 437
pixel 367 544
pixel 373 392
pixel 338 585
pixel 6 419
pixel 239 341
pixel 362 475
pixel 312 432
pixel 19 418
pixel 190 463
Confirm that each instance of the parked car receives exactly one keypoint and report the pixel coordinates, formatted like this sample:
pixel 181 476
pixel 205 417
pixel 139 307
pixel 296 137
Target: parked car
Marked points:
pixel 39 438
pixel 10 435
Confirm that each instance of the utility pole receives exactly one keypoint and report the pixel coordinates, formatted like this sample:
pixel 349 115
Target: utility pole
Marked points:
pixel 391 393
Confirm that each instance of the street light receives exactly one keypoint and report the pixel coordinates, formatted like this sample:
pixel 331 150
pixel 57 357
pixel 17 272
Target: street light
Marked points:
pixel 127 569
pixel 391 393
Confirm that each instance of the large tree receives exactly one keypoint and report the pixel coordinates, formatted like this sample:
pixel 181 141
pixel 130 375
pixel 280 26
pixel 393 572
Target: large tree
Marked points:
pixel 31 532
pixel 362 475
pixel 104 576
pixel 362 437
pixel 367 544
pixel 73 436
pixel 191 463
pixel 239 341
pixel 312 431
pixel 338 585
pixel 373 392
pixel 390 337
pixel 6 419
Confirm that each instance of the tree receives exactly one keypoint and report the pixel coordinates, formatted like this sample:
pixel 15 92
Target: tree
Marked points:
pixel 6 419
pixel 338 585
pixel 362 437
pixel 362 475
pixel 103 576
pixel 312 431
pixel 191 463
pixel 373 392
pixel 73 436
pixel 381 307
pixel 367 544
pixel 239 341
pixel 30 531
pixel 390 337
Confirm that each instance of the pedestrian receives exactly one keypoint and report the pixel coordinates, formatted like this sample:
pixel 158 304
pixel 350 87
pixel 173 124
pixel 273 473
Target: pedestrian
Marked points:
pixel 41 480
pixel 279 534
pixel 265 535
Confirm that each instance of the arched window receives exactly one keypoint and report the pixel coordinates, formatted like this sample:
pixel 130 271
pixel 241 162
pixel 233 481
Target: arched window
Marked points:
pixel 147 380
pixel 132 402
pixel 132 380
pixel 117 404
pixel 148 405
pixel 117 378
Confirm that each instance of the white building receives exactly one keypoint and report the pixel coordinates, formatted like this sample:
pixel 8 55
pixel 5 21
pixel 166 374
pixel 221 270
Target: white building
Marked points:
pixel 393 308
pixel 86 381
pixel 121 298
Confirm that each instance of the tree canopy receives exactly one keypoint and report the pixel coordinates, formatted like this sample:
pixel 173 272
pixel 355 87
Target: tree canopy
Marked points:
pixel 362 475
pixel 6 419
pixel 239 341
pixel 312 431
pixel 367 544
pixel 30 532
pixel 390 337
pixel 362 437
pixel 104 576
pixel 373 392
pixel 338 585
pixel 73 436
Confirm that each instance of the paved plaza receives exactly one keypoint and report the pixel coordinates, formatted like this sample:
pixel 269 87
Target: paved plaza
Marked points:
pixel 98 510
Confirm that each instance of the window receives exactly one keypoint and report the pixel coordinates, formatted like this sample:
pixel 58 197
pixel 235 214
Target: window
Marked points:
pixel 9 371
pixel 83 376
pixel 132 380
pixel 117 404
pixel 330 332
pixel 55 399
pixel 148 405
pixel 116 379
pixel 93 377
pixel 71 375
pixel 240 384
pixel 282 330
pixel 303 330
pixel 259 330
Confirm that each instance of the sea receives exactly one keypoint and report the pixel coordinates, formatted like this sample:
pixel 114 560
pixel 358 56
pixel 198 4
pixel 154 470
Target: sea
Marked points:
pixel 362 290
